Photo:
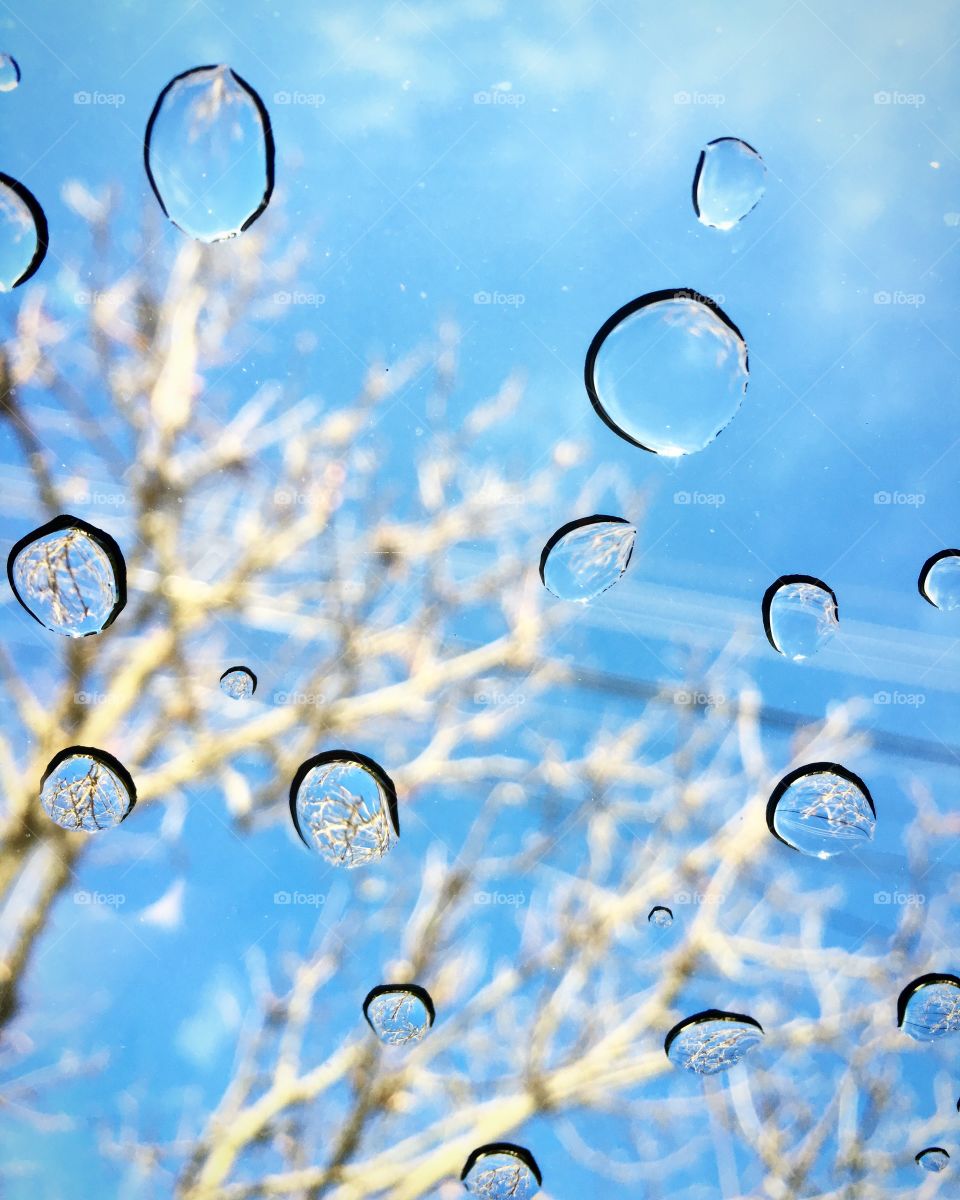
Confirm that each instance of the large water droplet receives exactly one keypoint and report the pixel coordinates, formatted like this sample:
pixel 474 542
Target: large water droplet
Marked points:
pixel 667 372
pixel 238 683
pixel 660 916
pixel 929 1007
pixel 23 233
pixel 209 153
pixel 587 556
pixel 939 581
pixel 344 805
pixel 711 1041
pixel 729 182
pixel 86 789
pixel 800 614
pixel 399 1013
pixel 502 1171
pixel 821 809
pixel 934 1158
pixel 69 576
pixel 9 73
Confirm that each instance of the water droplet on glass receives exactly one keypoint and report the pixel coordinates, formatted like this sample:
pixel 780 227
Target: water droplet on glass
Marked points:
pixel 69 576
pixel 821 809
pixel 800 614
pixel 9 73
pixel 667 372
pixel 23 233
pixel 502 1171
pixel 711 1041
pixel 86 789
pixel 209 153
pixel 929 1008
pixel 399 1013
pixel 345 807
pixel 587 556
pixel 934 1158
pixel 939 581
pixel 729 182
pixel 238 683
pixel 660 916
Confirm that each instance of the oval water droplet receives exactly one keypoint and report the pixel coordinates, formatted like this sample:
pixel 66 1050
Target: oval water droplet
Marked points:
pixel 712 1041
pixel 399 1013
pixel 86 789
pixel 821 809
pixel 238 683
pixel 344 806
pixel 800 614
pixel 939 581
pixel 587 556
pixel 668 372
pixel 23 233
pixel 502 1171
pixel 9 73
pixel 728 183
pixel 69 576
pixel 934 1158
pixel 660 916
pixel 929 1007
pixel 209 153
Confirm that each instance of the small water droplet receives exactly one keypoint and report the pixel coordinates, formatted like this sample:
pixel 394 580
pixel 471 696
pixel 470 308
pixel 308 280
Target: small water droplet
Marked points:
pixel 800 614
pixel 86 789
pixel 502 1171
pixel 209 153
pixel 69 576
pixel 934 1158
pixel 667 372
pixel 712 1041
pixel 929 1007
pixel 939 581
pixel 238 683
pixel 660 916
pixel 23 233
pixel 344 806
pixel 399 1013
pixel 9 73
pixel 587 556
pixel 821 809
pixel 728 183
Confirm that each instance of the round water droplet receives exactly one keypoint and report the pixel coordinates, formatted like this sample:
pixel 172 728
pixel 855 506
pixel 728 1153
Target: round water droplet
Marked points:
pixel 821 809
pixel 23 233
pixel 660 916
pixel 667 372
pixel 69 576
pixel 800 614
pixel 502 1171
pixel 86 789
pixel 344 806
pixel 587 556
pixel 939 581
pixel 238 683
pixel 934 1158
pixel 209 153
pixel 929 1007
pixel 9 73
pixel 711 1041
pixel 729 182
pixel 399 1013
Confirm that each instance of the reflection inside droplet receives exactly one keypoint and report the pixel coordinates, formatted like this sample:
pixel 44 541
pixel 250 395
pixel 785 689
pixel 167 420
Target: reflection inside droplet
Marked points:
pixel 586 557
pixel 399 1013
pixel 9 73
pixel 940 580
pixel 934 1158
pixel 800 614
pixel 711 1041
pixel 344 806
pixel 238 683
pixel 821 809
pixel 502 1171
pixel 660 916
pixel 729 182
pixel 23 233
pixel 86 789
pixel 929 1007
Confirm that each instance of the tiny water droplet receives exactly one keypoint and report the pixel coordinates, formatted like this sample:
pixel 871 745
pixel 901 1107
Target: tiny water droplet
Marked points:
pixel 9 73
pixel 711 1041
pixel 800 615
pixel 86 789
pixel 586 557
pixel 728 183
pixel 667 372
pixel 660 916
pixel 238 683
pixel 934 1158
pixel 939 581
pixel 399 1013
pixel 501 1171
pixel 929 1007
pixel 209 153
pixel 69 576
pixel 821 809
pixel 344 806
pixel 23 233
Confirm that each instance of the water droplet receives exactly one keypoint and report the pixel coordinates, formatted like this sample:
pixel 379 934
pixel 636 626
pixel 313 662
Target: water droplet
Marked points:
pixel 934 1158
pixel 587 556
pixel 69 576
pixel 800 614
pixel 238 683
pixel 821 809
pixel 660 916
pixel 711 1041
pixel 86 789
pixel 939 581
pixel 929 1008
pixel 344 806
pixel 399 1013
pixel 729 182
pixel 9 73
pixel 209 153
pixel 23 233
pixel 502 1171
pixel 668 372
